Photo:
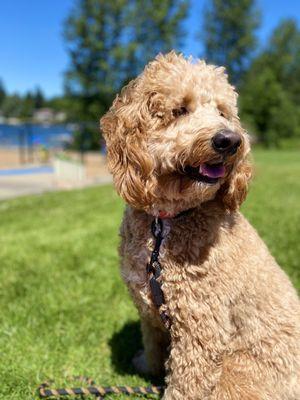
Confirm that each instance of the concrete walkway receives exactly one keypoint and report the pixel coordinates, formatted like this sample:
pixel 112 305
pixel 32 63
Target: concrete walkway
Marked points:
pixel 20 185
pixel 24 182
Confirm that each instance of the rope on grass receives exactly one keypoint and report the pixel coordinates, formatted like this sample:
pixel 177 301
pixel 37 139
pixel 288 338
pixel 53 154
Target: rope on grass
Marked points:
pixel 45 390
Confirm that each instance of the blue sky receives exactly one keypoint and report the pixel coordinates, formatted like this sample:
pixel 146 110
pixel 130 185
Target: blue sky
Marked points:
pixel 33 53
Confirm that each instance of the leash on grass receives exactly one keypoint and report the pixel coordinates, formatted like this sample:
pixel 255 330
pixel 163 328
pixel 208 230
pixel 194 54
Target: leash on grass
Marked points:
pixel 154 272
pixel 45 390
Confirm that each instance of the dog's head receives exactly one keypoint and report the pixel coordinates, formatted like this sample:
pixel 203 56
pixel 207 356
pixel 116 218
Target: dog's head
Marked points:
pixel 174 139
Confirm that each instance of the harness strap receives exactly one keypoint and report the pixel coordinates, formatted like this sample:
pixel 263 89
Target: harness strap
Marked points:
pixel 154 272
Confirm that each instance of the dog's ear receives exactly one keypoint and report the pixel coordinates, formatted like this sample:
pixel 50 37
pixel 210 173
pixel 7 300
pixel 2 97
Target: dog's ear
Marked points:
pixel 128 159
pixel 234 192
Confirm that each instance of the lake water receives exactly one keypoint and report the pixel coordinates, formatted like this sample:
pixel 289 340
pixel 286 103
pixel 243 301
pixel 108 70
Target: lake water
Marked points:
pixel 35 135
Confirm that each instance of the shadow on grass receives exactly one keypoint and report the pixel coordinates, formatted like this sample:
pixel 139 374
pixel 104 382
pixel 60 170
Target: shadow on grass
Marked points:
pixel 124 345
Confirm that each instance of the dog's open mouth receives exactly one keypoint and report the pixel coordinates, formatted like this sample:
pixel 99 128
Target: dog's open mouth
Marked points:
pixel 207 173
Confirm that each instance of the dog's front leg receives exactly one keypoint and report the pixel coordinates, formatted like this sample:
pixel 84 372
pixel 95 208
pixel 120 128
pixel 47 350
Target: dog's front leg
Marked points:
pixel 192 373
pixel 156 342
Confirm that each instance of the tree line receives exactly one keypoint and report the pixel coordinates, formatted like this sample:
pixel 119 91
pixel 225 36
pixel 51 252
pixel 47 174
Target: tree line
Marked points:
pixel 109 43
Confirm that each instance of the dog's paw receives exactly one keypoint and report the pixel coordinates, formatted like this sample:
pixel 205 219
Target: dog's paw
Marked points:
pixel 139 362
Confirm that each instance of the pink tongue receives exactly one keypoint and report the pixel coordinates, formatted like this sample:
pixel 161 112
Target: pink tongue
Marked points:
pixel 212 171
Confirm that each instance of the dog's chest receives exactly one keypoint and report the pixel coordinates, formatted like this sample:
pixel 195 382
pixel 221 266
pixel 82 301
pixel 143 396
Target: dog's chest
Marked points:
pixel 137 250
pixel 179 256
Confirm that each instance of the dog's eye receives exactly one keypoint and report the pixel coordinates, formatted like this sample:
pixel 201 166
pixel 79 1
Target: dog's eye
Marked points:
pixel 222 113
pixel 177 112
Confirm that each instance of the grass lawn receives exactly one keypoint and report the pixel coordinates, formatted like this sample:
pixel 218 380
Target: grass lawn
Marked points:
pixel 64 310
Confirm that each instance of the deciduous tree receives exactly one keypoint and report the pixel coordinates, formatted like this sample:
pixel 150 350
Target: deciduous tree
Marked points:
pixel 270 98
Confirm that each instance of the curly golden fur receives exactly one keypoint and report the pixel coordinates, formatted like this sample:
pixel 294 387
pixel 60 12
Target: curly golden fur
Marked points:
pixel 235 330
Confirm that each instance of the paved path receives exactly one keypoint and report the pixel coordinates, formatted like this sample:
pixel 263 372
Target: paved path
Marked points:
pixel 36 180
pixel 20 185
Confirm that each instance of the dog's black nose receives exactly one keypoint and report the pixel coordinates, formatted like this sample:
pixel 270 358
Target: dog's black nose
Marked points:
pixel 226 141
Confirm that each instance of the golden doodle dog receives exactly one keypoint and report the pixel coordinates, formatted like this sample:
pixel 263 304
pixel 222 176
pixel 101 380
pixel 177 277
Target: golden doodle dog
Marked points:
pixel 227 326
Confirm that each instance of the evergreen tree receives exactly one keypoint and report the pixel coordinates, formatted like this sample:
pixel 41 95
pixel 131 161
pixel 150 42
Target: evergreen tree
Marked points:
pixel 229 35
pixel 38 98
pixel 156 28
pixel 108 43
pixel 27 106
pixel 2 93
pixel 12 106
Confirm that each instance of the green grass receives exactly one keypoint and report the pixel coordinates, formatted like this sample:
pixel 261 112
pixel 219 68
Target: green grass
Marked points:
pixel 273 206
pixel 64 310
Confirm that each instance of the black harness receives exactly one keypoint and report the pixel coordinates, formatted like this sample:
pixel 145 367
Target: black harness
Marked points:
pixel 154 272
pixel 154 268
